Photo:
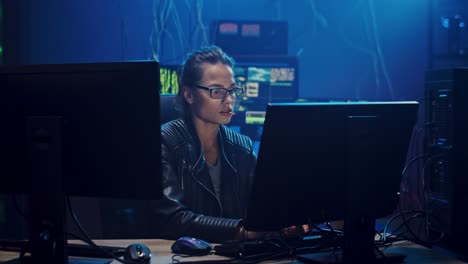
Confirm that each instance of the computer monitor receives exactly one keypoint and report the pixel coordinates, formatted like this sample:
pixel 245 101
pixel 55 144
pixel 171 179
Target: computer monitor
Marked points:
pixel 88 129
pixel 266 79
pixel 329 161
pixel 168 73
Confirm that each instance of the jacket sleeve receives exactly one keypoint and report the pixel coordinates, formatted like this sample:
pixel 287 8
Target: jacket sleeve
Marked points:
pixel 175 219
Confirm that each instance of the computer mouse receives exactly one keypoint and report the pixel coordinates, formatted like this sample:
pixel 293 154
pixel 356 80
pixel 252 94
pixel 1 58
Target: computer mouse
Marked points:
pixel 191 246
pixel 137 253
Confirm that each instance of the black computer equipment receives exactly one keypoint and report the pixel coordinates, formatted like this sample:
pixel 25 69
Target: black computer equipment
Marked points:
pixel 251 37
pixel 321 162
pixel 138 253
pixel 89 129
pixel 266 78
pixel 446 145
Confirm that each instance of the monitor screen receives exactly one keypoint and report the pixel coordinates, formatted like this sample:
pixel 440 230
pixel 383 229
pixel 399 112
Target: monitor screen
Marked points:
pixel 316 160
pixel 255 117
pixel 109 126
pixel 168 73
pixel 265 79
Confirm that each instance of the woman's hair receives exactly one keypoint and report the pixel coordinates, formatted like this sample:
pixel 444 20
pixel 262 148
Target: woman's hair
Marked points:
pixel 190 73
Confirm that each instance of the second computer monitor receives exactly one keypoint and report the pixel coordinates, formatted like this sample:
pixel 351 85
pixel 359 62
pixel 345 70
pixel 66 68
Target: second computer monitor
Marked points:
pixel 323 161
pixel 107 130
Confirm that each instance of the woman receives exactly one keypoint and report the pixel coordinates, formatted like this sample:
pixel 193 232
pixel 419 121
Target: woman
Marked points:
pixel 207 167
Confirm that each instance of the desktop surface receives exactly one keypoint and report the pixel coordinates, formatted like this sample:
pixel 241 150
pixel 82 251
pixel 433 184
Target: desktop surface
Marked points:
pixel 161 253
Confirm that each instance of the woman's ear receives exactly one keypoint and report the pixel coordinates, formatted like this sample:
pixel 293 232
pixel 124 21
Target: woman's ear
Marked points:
pixel 188 95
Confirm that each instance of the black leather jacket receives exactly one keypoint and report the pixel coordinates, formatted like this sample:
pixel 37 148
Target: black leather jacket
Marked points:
pixel 189 206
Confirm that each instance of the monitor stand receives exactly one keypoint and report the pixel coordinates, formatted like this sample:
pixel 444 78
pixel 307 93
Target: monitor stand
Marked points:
pixel 358 246
pixel 359 220
pixel 47 238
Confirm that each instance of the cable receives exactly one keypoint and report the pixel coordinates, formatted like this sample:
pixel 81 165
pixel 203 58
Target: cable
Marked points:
pixel 77 222
pixel 85 239
pixel 17 207
pixel 88 240
pixel 384 235
pixel 405 221
pixel 425 187
pixel 406 181
pixel 411 162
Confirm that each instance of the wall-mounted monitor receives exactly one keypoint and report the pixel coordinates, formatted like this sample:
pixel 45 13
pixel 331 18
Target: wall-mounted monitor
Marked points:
pixel 265 79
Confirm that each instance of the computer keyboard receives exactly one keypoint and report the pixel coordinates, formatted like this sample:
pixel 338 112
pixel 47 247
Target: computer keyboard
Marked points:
pixel 276 246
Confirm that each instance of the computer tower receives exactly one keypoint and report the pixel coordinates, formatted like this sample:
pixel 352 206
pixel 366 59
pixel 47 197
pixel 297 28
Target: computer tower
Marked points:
pixel 446 162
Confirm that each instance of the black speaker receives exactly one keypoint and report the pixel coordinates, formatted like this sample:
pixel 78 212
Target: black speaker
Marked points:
pixel 244 37
pixel 446 165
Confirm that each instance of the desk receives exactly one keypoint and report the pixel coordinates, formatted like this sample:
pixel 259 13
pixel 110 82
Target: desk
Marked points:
pixel 162 253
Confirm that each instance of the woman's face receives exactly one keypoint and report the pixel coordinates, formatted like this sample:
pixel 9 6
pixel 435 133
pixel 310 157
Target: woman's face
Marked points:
pixel 205 108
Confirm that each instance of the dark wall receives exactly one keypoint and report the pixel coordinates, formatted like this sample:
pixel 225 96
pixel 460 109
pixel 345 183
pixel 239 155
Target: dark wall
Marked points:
pixel 356 49
pixel 360 49
pixel 55 31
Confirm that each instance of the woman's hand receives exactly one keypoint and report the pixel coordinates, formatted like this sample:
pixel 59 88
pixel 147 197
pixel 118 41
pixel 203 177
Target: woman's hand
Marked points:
pixel 244 234
pixel 294 231
pixel 291 231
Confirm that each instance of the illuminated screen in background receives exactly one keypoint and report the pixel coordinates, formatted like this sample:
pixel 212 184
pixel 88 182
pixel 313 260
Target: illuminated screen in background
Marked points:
pixel 265 79
pixel 168 75
pixel 254 117
pixel 265 84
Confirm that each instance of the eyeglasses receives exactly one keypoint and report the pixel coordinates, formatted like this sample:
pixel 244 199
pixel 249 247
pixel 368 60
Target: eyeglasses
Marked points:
pixel 221 93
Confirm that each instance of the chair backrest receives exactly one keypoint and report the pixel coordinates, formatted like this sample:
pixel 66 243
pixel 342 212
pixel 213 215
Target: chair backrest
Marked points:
pixel 168 109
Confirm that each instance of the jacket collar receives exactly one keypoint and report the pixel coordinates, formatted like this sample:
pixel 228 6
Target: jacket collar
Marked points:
pixel 200 162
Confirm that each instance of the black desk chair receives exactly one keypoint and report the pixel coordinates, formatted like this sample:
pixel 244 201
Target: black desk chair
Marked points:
pixel 168 109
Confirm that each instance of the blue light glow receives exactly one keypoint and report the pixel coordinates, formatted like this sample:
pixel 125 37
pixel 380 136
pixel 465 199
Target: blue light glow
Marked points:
pixel 445 22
